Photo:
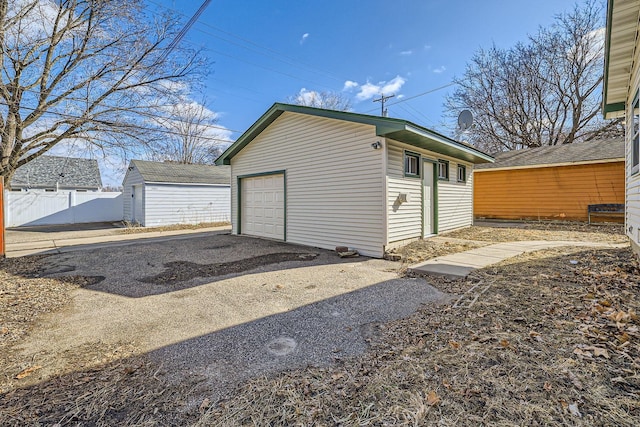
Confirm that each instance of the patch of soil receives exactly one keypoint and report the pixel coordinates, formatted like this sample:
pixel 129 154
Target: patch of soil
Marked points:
pixel 182 271
pixel 131 228
pixel 422 250
pixel 24 297
pixel 547 341
pixel 542 231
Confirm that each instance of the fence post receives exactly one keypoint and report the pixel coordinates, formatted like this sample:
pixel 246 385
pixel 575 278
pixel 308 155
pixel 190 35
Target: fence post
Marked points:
pixel 2 244
pixel 72 205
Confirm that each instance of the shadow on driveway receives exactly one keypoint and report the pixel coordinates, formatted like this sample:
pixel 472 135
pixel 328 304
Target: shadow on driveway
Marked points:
pixel 153 268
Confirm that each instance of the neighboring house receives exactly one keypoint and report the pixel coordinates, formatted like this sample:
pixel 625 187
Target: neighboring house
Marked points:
pixel 621 89
pixel 52 173
pixel 554 182
pixel 157 194
pixel 328 178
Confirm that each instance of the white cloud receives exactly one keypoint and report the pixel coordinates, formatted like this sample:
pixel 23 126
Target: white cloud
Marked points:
pixel 349 84
pixel 307 97
pixel 427 46
pixel 304 38
pixel 369 90
pixel 406 53
pixel 440 69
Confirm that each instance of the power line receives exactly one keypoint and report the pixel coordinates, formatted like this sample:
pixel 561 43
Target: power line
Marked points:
pixel 184 30
pixel 382 100
pixel 416 96
pixel 283 57
pixel 138 127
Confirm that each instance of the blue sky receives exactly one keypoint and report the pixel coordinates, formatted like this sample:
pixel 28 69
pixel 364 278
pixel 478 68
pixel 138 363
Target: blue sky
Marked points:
pixel 265 51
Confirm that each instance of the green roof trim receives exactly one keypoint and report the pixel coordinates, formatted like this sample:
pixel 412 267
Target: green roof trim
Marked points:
pixel 397 129
pixel 613 108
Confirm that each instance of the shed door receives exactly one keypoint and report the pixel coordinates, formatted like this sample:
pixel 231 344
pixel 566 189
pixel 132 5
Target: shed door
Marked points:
pixel 427 201
pixel 262 206
pixel 136 212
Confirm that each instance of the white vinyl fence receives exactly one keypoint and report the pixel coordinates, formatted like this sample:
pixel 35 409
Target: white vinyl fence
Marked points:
pixel 60 207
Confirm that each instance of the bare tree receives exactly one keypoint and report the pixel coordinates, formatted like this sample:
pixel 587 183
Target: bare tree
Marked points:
pixel 83 70
pixel 543 92
pixel 191 135
pixel 326 100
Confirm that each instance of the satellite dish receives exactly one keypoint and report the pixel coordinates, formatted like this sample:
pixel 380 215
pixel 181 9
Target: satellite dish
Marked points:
pixel 465 119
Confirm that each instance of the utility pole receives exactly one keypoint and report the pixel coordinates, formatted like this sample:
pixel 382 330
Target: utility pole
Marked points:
pixel 382 100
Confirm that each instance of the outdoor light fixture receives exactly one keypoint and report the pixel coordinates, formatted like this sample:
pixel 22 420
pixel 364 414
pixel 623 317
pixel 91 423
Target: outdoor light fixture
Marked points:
pixel 376 145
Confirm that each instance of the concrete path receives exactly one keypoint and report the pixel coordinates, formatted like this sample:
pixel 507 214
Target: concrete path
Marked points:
pixel 60 242
pixel 461 264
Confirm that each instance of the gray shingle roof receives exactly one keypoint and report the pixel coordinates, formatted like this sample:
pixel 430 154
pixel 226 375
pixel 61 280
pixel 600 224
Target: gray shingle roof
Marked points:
pixel 67 172
pixel 182 174
pixel 607 149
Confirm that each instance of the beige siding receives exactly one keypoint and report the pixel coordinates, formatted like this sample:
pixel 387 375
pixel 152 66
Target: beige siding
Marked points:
pixel 132 178
pixel 405 219
pixel 334 180
pixel 455 200
pixel 633 182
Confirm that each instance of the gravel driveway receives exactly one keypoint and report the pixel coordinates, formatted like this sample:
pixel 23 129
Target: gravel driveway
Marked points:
pixel 219 309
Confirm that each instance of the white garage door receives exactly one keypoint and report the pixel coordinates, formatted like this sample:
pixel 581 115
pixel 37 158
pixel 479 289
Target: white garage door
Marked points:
pixel 262 211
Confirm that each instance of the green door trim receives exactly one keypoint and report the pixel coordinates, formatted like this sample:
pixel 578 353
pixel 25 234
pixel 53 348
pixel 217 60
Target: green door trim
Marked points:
pixel 434 198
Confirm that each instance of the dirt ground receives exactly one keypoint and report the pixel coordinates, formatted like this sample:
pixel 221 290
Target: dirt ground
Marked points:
pixel 547 338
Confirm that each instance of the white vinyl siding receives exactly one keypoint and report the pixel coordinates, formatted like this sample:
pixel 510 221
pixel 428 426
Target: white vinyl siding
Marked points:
pixel 633 180
pixel 132 178
pixel 166 204
pixel 334 180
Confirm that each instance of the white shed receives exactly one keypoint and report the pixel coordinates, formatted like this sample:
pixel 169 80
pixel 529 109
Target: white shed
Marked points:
pixel 157 194
pixel 329 178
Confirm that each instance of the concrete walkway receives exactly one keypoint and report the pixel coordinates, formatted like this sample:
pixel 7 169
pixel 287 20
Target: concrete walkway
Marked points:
pixel 461 264
pixel 73 242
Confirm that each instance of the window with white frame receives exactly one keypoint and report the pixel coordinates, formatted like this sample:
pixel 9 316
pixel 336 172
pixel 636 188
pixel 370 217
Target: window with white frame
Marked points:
pixel 462 173
pixel 443 170
pixel 411 164
pixel 635 135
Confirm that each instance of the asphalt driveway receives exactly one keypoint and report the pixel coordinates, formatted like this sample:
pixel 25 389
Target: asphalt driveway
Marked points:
pixel 217 309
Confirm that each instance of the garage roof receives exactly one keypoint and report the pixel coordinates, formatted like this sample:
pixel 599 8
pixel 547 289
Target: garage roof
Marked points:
pixel 178 173
pixel 622 28
pixel 576 153
pixel 66 172
pixel 397 129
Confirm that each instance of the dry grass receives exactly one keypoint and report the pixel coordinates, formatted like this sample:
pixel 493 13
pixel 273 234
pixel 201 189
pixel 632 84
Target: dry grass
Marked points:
pixel 132 228
pixel 576 231
pixel 539 347
pixel 548 341
pixel 422 250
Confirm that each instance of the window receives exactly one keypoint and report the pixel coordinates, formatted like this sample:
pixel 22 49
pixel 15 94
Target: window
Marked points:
pixel 462 173
pixel 411 164
pixel 635 135
pixel 443 169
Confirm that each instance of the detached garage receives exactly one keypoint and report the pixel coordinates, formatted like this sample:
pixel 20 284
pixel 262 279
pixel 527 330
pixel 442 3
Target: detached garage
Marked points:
pixel 157 194
pixel 328 178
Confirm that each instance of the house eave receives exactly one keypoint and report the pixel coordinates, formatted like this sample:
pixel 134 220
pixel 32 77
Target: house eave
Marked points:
pixel 432 141
pixel 620 43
